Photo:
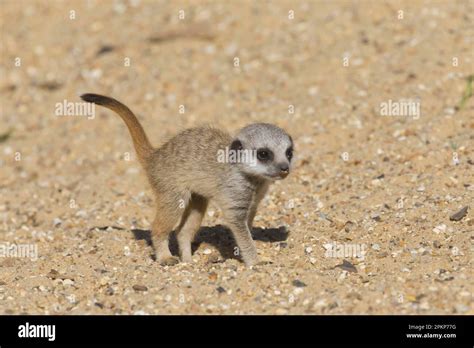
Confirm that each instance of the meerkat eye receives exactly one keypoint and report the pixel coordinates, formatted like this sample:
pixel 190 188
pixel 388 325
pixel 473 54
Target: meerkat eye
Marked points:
pixel 289 153
pixel 264 155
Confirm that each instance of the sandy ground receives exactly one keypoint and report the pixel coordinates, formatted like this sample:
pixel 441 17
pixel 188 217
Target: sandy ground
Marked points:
pixel 72 190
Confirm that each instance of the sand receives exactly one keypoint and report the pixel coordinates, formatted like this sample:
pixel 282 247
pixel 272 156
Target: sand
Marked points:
pixel 362 224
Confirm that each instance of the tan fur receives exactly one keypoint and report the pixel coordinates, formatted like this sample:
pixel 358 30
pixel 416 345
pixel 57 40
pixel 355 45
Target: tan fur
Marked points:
pixel 185 174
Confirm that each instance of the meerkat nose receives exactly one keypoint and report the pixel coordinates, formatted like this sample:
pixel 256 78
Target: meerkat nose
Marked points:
pixel 284 168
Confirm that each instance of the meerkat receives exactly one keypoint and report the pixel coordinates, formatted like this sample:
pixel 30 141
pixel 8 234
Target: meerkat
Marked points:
pixel 185 174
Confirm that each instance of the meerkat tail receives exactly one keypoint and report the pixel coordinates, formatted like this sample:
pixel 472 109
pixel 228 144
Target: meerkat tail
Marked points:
pixel 141 143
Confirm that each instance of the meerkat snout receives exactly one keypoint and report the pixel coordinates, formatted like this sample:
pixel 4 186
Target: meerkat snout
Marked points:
pixel 273 149
pixel 197 166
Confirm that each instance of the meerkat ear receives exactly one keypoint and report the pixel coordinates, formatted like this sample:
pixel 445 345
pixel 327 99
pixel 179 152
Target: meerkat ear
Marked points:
pixel 236 145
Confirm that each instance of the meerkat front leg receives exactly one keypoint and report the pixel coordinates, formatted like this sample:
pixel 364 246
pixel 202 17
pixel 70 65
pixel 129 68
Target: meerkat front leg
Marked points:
pixel 236 216
pixel 251 215
pixel 258 196
pixel 235 204
pixel 244 240
pixel 192 220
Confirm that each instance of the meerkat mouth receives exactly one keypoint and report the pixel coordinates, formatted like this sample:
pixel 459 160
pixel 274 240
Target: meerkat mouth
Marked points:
pixel 279 176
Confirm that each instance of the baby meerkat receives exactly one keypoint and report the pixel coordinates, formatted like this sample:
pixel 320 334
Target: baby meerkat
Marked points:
pixel 202 164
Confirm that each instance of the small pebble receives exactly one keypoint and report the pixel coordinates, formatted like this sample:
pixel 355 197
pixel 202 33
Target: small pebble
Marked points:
pixel 457 216
pixel 298 283
pixel 461 308
pixel 71 298
pixel 68 282
pixel 137 287
pixel 342 276
pixel 297 291
pixel 376 217
pixel 57 222
pixel 347 266
pixel 376 247
pixel 439 229
pixel 81 213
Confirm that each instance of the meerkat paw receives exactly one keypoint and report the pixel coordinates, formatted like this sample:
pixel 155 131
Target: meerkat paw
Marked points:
pixel 187 258
pixel 249 256
pixel 263 260
pixel 250 260
pixel 169 261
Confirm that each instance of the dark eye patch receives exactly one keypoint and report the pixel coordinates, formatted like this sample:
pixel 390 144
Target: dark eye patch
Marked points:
pixel 236 145
pixel 264 154
pixel 289 153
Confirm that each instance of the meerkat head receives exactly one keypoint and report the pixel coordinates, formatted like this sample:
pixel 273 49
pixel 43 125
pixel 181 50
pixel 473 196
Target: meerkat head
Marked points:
pixel 268 151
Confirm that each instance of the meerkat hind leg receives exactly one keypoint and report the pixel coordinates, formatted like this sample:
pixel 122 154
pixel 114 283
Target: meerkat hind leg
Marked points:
pixel 192 220
pixel 165 221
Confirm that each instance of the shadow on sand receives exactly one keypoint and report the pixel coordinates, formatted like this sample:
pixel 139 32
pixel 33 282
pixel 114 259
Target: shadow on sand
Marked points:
pixel 218 236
